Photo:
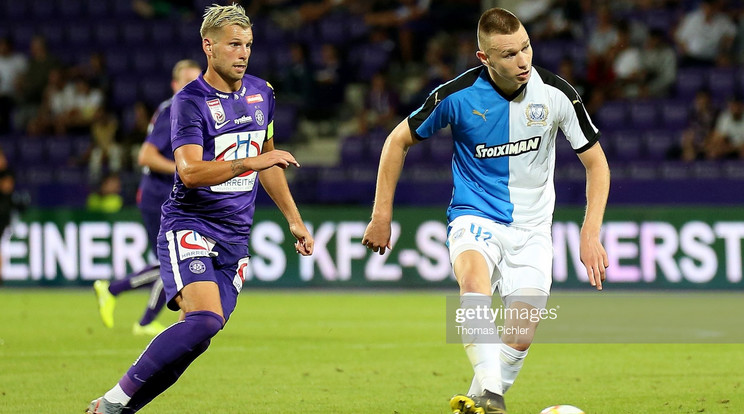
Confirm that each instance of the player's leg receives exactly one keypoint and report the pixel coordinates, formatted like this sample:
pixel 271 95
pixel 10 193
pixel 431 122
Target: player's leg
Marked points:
pixel 147 325
pixel 192 283
pixel 525 287
pixel 106 291
pixel 474 252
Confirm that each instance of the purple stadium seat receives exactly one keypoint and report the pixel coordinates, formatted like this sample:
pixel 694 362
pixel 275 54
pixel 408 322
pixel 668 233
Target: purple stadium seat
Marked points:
pixel 613 115
pixel 59 150
pixel 644 114
pixel 123 9
pixel 643 170
pixel 97 8
pixel 550 54
pixel 22 34
pixel 146 62
pixel 42 9
pixel 707 169
pixel 78 33
pixel 15 10
pixel 259 63
pixel 722 83
pixel 54 33
pixel 70 9
pixel 8 146
pixel 332 29
pixel 354 151
pixel 658 142
pixel 135 32
pixel 418 154
pixel 356 27
pixel 124 91
pixel 163 32
pixel 372 59
pixel 627 145
pixel 285 123
pixel 106 33
pixel 674 170
pixel 690 80
pixel 116 62
pixel 674 113
pixel 31 150
pixel 155 89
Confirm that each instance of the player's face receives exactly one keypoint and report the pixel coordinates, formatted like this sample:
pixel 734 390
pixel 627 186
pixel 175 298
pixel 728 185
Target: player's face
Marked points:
pixel 508 58
pixel 228 51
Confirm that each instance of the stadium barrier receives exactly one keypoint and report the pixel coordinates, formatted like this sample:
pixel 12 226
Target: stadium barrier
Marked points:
pixel 648 247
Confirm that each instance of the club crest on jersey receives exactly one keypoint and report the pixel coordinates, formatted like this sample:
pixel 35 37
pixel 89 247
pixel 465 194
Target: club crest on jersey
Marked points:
pixel 215 108
pixel 197 267
pixel 508 149
pixel 259 116
pixel 537 114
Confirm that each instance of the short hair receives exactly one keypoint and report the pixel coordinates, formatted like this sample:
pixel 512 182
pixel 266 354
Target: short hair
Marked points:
pixel 184 64
pixel 217 17
pixel 497 21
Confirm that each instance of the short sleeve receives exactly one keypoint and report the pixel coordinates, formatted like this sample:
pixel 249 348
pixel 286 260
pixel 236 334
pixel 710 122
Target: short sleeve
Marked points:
pixel 187 122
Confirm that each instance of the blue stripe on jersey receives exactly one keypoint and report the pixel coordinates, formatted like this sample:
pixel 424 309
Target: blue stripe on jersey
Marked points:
pixel 481 185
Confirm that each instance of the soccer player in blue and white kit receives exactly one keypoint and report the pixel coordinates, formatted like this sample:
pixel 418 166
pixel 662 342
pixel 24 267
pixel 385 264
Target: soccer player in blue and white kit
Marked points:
pixel 221 130
pixel 504 117
pixel 156 157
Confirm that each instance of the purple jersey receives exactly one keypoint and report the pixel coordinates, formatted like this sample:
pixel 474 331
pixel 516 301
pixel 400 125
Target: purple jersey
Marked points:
pixel 156 187
pixel 228 126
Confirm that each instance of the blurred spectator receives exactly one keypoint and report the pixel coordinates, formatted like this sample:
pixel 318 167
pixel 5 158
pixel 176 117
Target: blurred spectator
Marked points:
pixel 12 66
pixel 154 9
pixel 296 80
pixel 558 19
pixel 626 64
pixel 603 38
pixel 727 140
pixel 104 148
pixel 659 66
pixel 107 199
pixel 11 202
pixel 95 72
pixel 329 83
pixel 34 81
pixel 380 105
pixel 135 134
pixel 407 18
pixel 465 55
pixel 55 103
pixel 705 35
pixel 567 71
pixel 81 108
pixel 700 124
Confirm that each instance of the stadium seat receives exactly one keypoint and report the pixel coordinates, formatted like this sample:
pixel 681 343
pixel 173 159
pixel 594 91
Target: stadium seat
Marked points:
pixel 106 33
pixel 659 142
pixel 332 29
pixel 162 33
pixel 644 114
pixel 59 150
pixel 54 34
pixel 15 11
pixel 31 150
pixel 674 113
pixel 613 115
pixel 116 62
pixel 354 151
pixel 627 145
pixel 97 8
pixel 722 83
pixel 689 81
pixel 70 9
pixel 674 170
pixel 124 91
pixel 155 89
pixel 135 32
pixel 260 61
pixel 78 33
pixel 707 169
pixel 285 123
pixel 643 170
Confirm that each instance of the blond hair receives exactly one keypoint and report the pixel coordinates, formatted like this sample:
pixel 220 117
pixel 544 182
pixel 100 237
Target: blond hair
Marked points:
pixel 217 17
pixel 184 64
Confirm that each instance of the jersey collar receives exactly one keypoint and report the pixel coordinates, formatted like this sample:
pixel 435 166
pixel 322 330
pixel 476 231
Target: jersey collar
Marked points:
pixel 508 97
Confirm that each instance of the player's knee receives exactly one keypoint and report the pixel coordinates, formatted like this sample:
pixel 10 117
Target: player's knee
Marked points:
pixel 204 324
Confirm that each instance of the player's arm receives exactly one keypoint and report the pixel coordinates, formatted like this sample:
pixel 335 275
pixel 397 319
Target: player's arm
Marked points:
pixel 195 172
pixel 274 182
pixel 592 253
pixel 150 157
pixel 377 235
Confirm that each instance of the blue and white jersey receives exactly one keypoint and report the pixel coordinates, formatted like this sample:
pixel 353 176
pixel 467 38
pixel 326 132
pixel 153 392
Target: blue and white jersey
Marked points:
pixel 504 146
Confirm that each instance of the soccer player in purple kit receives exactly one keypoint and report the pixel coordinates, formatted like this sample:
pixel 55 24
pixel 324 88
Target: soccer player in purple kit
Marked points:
pixel 221 130
pixel 156 157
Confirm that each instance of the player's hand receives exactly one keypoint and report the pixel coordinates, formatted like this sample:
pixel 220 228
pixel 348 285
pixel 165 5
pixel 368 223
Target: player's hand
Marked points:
pixel 594 258
pixel 377 236
pixel 305 242
pixel 278 158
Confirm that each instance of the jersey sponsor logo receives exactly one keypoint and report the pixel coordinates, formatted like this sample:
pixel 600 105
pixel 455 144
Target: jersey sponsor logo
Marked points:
pixel 221 95
pixel 241 274
pixel 218 126
pixel 480 114
pixel 197 267
pixel 192 244
pixel 537 114
pixel 234 146
pixel 215 108
pixel 508 149
pixel 259 117
pixel 245 119
pixel 254 98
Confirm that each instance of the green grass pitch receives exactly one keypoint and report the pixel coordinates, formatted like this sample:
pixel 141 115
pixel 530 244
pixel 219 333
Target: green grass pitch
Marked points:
pixel 378 352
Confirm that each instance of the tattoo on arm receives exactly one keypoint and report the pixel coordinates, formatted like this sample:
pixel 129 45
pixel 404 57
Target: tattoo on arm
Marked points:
pixel 237 167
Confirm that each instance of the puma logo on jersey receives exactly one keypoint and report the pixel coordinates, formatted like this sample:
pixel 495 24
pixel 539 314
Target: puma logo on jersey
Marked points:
pixel 510 148
pixel 480 114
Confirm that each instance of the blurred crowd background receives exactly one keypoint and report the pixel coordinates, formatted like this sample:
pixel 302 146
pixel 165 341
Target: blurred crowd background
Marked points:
pixel 80 79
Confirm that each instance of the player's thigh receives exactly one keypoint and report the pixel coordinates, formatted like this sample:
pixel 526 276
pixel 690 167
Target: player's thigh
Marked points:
pixel 200 296
pixel 475 249
pixel 527 262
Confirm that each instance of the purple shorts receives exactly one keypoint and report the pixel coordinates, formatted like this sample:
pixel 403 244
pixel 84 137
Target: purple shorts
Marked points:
pixel 187 256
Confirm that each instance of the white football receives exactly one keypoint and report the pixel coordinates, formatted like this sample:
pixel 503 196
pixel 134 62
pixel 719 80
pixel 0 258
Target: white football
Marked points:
pixel 562 409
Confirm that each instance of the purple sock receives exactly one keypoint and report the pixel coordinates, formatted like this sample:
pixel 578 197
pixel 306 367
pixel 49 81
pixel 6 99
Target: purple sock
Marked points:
pixel 134 280
pixel 173 343
pixel 154 305
pixel 164 379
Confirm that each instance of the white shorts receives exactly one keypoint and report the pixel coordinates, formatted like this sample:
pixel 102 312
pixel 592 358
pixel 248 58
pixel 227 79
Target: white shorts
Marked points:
pixel 518 258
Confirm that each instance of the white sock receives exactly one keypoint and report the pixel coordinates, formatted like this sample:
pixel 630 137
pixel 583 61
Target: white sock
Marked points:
pixel 481 347
pixel 511 363
pixel 117 395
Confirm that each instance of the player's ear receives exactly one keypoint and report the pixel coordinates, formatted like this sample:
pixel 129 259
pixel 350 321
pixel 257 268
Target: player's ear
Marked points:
pixel 482 56
pixel 207 46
